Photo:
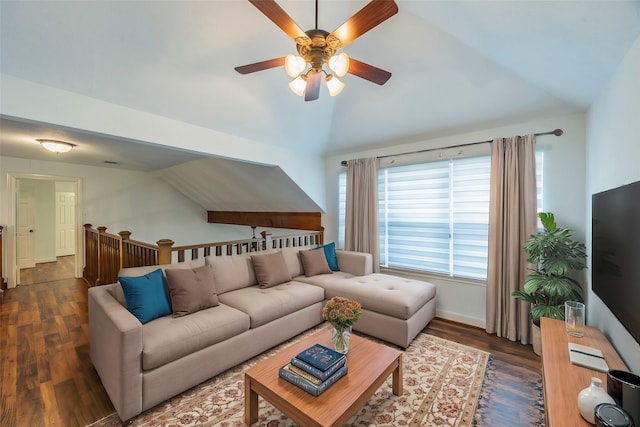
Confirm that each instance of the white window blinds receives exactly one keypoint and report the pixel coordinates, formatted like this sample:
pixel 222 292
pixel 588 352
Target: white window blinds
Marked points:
pixel 435 216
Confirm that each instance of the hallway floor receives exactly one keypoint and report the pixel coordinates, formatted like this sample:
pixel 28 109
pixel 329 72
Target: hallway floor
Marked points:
pixel 63 268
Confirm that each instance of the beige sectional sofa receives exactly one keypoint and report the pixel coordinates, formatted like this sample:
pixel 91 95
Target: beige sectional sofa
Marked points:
pixel 143 365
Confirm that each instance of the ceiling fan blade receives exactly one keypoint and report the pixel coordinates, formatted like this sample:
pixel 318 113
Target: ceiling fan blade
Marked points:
pixel 373 14
pixel 312 91
pixel 273 11
pixel 368 72
pixel 259 66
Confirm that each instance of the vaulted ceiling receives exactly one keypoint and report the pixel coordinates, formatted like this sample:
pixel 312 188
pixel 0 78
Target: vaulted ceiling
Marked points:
pixel 456 65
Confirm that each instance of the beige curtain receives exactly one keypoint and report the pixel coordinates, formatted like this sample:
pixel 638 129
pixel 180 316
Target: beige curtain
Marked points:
pixel 361 222
pixel 512 219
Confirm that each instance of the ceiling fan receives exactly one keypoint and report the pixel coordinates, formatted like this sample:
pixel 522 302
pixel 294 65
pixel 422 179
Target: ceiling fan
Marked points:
pixel 317 47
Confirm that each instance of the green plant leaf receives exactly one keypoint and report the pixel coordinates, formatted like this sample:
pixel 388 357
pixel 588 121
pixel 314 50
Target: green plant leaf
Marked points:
pixel 554 254
pixel 524 296
pixel 548 221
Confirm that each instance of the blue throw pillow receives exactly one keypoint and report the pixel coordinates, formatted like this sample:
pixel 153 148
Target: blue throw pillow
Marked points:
pixel 147 297
pixel 330 254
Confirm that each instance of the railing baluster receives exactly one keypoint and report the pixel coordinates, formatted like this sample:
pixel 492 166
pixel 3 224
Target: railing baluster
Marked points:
pixel 106 254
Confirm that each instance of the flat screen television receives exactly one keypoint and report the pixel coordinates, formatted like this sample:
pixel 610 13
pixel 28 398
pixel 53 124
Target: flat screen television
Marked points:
pixel 615 268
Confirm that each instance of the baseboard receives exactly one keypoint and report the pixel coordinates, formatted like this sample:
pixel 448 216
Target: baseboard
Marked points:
pixel 43 260
pixel 460 318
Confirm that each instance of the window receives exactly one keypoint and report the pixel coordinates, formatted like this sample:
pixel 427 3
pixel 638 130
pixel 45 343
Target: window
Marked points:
pixel 435 216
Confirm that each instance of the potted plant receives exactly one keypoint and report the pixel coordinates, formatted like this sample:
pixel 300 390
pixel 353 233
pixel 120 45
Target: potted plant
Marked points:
pixel 555 256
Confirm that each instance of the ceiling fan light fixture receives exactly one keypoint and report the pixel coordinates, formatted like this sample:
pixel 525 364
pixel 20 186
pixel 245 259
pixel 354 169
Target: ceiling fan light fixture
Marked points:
pixel 56 146
pixel 294 65
pixel 339 64
pixel 298 85
pixel 317 48
pixel 334 85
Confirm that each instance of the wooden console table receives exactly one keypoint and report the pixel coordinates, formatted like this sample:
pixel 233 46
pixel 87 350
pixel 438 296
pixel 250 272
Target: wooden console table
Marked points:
pixel 562 381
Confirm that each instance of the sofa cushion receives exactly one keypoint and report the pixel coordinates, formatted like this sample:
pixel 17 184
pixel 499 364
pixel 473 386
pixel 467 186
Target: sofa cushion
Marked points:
pixel 139 271
pixel 330 253
pixel 382 293
pixel 232 272
pixel 191 290
pixel 314 263
pixel 266 304
pixel 167 339
pixel 271 269
pixel 291 257
pixel 146 296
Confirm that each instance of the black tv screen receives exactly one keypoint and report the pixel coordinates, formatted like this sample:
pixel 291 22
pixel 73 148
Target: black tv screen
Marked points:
pixel 615 276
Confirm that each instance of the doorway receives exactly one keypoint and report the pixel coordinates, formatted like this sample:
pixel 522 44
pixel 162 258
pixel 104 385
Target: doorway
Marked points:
pixel 47 224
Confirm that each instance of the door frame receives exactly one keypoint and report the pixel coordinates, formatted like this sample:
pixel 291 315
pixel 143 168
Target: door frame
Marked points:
pixel 13 272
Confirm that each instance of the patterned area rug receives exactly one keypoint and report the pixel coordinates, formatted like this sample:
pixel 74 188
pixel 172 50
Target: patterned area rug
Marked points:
pixel 442 384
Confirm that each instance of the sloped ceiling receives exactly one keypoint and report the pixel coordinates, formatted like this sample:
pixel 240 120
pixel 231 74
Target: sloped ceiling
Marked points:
pixel 228 185
pixel 457 66
pixel 18 139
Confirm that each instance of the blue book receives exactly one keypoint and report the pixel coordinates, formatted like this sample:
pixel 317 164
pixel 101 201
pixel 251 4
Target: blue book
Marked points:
pixel 320 357
pixel 321 375
pixel 308 386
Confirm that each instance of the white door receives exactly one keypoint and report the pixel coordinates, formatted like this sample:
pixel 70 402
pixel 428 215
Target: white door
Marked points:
pixel 65 223
pixel 25 223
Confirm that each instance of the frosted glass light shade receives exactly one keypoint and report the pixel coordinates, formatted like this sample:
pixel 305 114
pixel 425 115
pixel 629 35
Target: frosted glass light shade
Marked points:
pixel 56 146
pixel 334 85
pixel 298 86
pixel 339 64
pixel 294 65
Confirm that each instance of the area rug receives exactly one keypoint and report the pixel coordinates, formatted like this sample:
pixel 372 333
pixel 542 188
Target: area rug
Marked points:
pixel 442 383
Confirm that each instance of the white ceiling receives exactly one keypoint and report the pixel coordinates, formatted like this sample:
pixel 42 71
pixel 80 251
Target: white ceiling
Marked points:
pixel 18 139
pixel 456 65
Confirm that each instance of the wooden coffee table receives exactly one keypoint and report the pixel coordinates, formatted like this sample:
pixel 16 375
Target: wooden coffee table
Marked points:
pixel 369 363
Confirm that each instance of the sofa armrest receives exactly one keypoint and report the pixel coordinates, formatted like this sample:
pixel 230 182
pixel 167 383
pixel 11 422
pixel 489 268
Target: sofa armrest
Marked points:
pixel 115 348
pixel 356 263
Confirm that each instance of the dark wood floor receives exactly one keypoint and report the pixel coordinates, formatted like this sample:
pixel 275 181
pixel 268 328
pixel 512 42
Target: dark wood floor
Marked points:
pixel 62 268
pixel 48 380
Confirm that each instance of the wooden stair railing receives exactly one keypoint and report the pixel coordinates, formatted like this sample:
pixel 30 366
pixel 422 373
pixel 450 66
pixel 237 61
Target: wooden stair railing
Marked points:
pixel 106 253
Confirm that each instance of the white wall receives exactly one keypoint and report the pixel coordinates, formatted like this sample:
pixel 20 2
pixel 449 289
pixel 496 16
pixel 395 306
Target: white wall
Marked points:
pixel 564 170
pixel 121 200
pixel 136 201
pixel 613 159
pixel 65 187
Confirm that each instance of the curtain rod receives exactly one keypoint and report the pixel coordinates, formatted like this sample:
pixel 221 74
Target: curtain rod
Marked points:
pixel 556 132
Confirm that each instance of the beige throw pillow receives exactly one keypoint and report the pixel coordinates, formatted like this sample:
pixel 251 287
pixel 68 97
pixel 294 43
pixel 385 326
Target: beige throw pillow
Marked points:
pixel 191 290
pixel 314 263
pixel 271 269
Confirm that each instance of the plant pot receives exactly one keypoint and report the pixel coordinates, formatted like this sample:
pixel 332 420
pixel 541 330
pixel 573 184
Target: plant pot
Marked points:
pixel 536 338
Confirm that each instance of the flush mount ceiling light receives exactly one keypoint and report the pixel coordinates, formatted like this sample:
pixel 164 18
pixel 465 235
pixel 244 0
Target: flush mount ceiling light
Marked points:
pixel 56 146
pixel 317 48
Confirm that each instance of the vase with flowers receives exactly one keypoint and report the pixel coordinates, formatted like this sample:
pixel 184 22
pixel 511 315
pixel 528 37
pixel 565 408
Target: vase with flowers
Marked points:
pixel 342 314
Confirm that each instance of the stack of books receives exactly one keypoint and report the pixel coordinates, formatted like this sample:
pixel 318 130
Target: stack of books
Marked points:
pixel 315 369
